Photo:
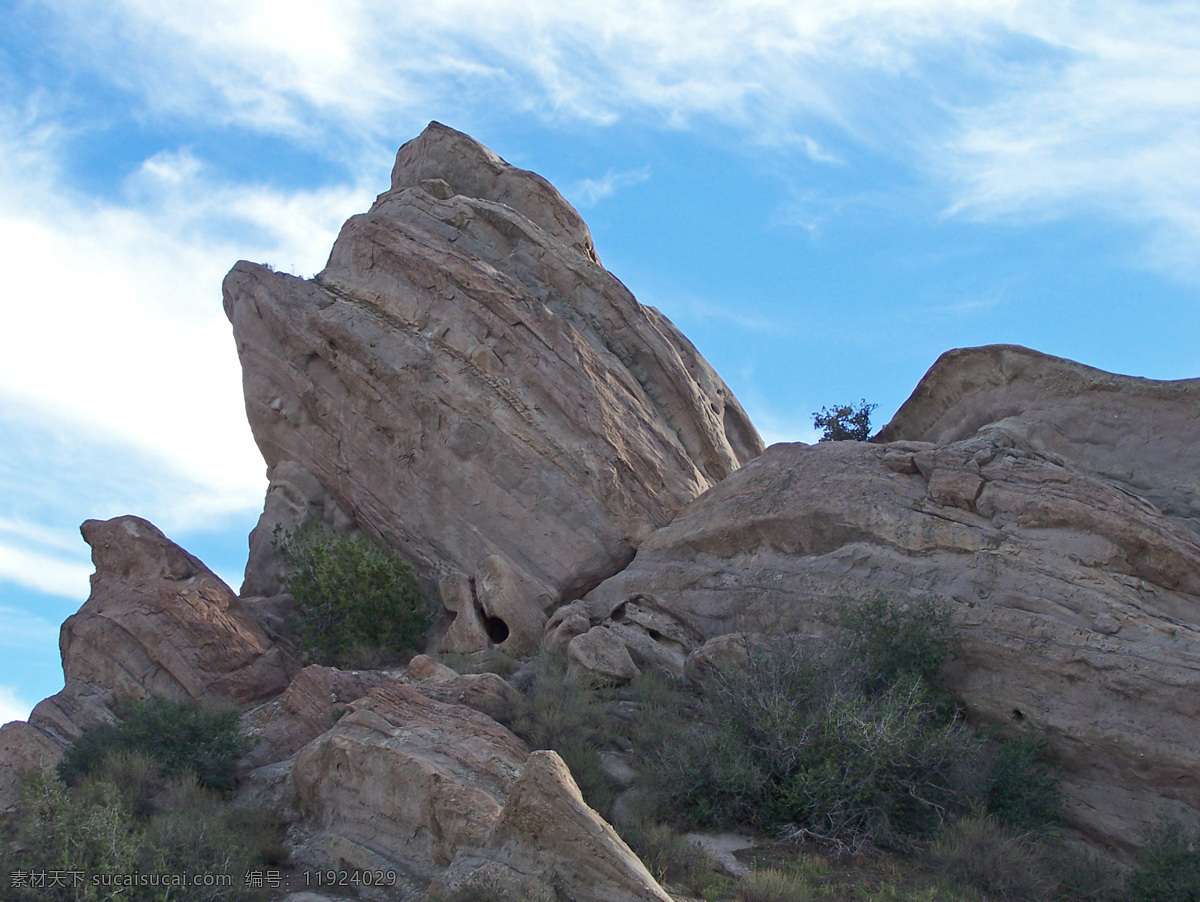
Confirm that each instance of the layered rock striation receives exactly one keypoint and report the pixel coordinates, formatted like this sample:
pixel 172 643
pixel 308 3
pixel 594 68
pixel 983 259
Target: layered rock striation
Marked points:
pixel 1078 601
pixel 467 382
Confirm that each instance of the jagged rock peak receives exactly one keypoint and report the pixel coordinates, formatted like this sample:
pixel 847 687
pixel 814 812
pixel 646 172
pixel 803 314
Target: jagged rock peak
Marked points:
pixel 1138 433
pixel 441 153
pixel 467 382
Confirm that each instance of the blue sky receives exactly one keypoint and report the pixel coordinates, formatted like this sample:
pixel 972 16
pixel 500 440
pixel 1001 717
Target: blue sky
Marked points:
pixel 824 197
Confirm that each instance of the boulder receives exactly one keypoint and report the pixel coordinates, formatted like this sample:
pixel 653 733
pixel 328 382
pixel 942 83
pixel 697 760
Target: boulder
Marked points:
pixel 1078 603
pixel 450 798
pixel 1139 434
pixel 159 622
pixel 600 656
pixel 467 382
pixel 547 837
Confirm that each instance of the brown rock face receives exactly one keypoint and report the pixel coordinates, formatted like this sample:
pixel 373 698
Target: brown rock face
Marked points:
pixel 448 795
pixel 158 622
pixel 467 381
pixel 1078 603
pixel 1140 434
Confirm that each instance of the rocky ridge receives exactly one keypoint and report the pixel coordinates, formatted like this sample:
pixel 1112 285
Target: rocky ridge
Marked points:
pixel 465 381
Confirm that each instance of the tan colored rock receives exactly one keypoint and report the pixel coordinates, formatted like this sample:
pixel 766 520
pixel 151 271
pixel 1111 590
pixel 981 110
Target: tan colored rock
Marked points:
pixel 547 832
pixel 312 703
pixel 719 655
pixel 158 622
pixel 1078 603
pixel 506 604
pixel 487 693
pixel 466 380
pixel 408 779
pixel 565 624
pixel 1140 434
pixel 467 633
pixel 600 656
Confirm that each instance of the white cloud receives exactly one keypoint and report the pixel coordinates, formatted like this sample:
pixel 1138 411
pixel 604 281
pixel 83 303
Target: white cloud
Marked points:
pixel 49 574
pixel 118 309
pixel 1016 107
pixel 590 192
pixel 12 707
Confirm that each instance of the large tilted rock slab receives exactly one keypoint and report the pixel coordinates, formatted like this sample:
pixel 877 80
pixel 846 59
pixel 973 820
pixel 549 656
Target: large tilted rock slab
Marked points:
pixel 447 796
pixel 467 381
pixel 1078 603
pixel 1141 434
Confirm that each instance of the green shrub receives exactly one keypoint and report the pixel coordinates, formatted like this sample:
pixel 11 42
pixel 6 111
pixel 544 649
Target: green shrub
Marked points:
pixel 1024 790
pixel 58 831
pixel 178 736
pixel 845 422
pixel 1170 868
pixel 355 603
pixel 194 832
pixel 890 640
pixel 568 717
pixel 90 830
pixel 793 742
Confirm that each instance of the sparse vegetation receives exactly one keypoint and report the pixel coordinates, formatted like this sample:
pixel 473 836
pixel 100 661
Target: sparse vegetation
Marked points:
pixel 851 744
pixel 1170 868
pixel 179 737
pixel 98 833
pixel 357 605
pixel 845 422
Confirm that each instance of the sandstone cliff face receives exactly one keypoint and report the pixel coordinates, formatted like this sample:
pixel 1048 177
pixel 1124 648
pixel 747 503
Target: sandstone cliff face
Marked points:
pixel 466 380
pixel 1078 602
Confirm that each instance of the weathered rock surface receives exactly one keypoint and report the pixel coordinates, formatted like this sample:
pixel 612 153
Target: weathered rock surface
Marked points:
pixel 465 380
pixel 1078 602
pixel 159 622
pixel 546 837
pixel 1140 434
pixel 450 797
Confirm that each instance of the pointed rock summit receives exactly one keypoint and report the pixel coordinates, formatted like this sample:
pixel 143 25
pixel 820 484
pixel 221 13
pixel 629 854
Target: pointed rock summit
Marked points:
pixel 467 382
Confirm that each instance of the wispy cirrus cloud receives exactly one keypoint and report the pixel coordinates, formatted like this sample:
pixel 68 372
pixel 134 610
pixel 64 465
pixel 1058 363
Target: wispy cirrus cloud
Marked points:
pixel 589 192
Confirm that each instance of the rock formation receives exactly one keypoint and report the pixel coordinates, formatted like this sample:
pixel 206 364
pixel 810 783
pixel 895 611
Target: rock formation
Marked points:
pixel 466 381
pixel 1140 434
pixel 157 622
pixel 1078 601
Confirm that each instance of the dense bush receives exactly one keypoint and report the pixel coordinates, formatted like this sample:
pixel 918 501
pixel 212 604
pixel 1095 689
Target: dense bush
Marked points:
pixel 1170 868
pixel 796 742
pixel 1024 791
pixel 357 605
pixel 98 830
pixel 845 422
pixel 178 736
pixel 889 641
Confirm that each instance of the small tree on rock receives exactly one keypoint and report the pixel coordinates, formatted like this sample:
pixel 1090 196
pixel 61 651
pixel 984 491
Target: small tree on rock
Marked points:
pixel 845 422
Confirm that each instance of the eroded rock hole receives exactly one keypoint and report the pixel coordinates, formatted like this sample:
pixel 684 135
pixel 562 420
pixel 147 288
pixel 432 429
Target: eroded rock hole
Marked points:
pixel 497 629
pixel 618 613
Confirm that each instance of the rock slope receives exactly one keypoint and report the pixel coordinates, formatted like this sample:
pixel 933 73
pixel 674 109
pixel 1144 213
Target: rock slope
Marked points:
pixel 1078 601
pixel 466 381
